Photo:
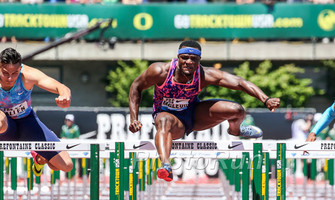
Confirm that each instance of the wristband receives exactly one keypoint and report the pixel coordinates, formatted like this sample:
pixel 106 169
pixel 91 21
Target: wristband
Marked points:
pixel 266 100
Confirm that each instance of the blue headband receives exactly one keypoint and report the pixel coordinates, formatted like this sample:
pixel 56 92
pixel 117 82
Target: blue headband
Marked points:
pixel 189 50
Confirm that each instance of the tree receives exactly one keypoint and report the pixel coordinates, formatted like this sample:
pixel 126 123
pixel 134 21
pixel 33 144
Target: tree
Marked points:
pixel 281 82
pixel 330 66
pixel 120 80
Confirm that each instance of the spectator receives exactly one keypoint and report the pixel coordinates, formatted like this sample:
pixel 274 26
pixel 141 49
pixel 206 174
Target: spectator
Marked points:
pixel 54 1
pixel 82 1
pixel 331 134
pixel 327 116
pixel 109 1
pixel 31 1
pixel 245 1
pixel 300 127
pixel 133 2
pixel 324 134
pixel 12 39
pixel 196 1
pixel 323 1
pixel 70 131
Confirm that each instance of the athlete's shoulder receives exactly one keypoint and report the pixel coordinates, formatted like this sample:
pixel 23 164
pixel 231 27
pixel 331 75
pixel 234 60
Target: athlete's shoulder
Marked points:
pixel 213 76
pixel 159 68
pixel 29 72
pixel 27 69
pixel 31 76
pixel 210 72
pixel 161 65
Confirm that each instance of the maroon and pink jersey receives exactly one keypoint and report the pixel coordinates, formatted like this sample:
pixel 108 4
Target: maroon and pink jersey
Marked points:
pixel 172 96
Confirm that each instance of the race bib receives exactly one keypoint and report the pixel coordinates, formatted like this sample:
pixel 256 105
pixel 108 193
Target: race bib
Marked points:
pixel 175 104
pixel 16 110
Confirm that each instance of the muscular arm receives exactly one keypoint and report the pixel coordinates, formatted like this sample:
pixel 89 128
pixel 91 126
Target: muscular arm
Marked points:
pixel 214 76
pixel 34 76
pixel 155 74
pixel 327 116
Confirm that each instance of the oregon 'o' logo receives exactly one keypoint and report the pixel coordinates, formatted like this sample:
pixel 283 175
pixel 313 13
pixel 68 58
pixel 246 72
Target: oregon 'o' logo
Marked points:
pixel 326 20
pixel 143 21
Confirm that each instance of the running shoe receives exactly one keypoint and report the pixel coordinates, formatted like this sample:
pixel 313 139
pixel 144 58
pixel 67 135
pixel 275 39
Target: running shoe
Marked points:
pixel 37 168
pixel 250 131
pixel 165 172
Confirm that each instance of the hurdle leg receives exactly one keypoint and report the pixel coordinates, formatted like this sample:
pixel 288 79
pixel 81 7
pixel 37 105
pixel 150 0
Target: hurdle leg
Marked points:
pixel 68 175
pixel 257 171
pixel 94 180
pixel 245 175
pixel 7 163
pixel 112 176
pixel 224 176
pixel 237 176
pixel 75 182
pixel 132 176
pixel 141 177
pixel 13 171
pixel 52 182
pixel 265 176
pixel 313 176
pixel 149 178
pixel 126 177
pixel 331 176
pixel 84 167
pixel 294 174
pixel 57 180
pixel 1 175
pixel 281 171
pixel 119 169
pixel 154 176
pixel 38 182
pixel 30 177
pixel 326 177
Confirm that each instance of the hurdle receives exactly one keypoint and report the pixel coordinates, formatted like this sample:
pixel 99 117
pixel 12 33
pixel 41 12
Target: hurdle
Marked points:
pixel 259 151
pixel 133 164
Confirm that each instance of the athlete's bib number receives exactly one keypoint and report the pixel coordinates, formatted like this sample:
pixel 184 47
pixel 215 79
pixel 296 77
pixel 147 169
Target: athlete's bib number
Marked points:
pixel 175 104
pixel 16 110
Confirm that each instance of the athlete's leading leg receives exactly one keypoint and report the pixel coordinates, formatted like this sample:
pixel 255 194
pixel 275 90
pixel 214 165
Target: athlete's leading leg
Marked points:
pixel 61 161
pixel 3 122
pixel 32 129
pixel 169 127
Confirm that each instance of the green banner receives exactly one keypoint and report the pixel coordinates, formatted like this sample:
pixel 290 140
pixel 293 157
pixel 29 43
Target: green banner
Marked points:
pixel 170 21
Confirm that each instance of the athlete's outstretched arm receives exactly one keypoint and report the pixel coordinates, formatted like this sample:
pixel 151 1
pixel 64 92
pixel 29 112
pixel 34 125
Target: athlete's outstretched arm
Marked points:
pixel 224 79
pixel 36 77
pixel 327 116
pixel 153 75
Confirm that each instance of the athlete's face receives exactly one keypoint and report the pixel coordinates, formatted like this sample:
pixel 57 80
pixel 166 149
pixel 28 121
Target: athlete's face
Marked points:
pixel 9 74
pixel 188 63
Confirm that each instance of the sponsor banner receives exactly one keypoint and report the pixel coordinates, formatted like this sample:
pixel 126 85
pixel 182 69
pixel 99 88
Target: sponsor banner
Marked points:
pixel 46 146
pixel 170 21
pixel 311 146
pixel 186 145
